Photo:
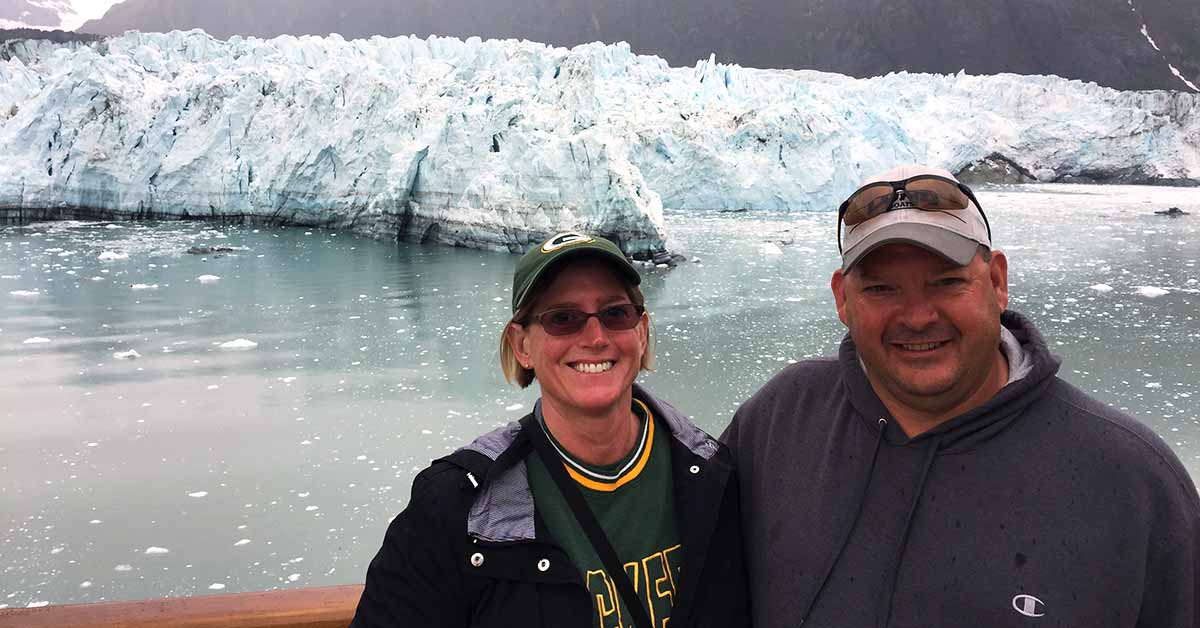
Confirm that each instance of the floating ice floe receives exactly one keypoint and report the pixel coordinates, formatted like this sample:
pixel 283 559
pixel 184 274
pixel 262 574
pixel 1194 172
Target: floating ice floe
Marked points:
pixel 127 355
pixel 25 294
pixel 144 286
pixel 514 407
pixel 1101 287
pixel 241 344
pixel 113 256
pixel 123 568
pixel 1150 292
pixel 770 248
pixel 154 551
pixel 38 604
pixel 208 279
pixel 36 340
pixel 242 542
pixel 198 494
pixel 216 586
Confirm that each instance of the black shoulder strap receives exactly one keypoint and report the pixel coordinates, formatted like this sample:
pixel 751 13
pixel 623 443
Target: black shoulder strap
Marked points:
pixel 587 520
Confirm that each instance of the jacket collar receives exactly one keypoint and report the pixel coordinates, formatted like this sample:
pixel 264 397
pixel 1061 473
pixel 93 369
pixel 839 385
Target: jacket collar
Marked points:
pixel 978 424
pixel 503 509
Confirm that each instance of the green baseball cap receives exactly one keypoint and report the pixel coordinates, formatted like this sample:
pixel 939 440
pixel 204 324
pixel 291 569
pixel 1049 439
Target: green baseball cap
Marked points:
pixel 535 263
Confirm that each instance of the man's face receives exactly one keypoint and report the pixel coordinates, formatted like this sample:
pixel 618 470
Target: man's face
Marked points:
pixel 927 330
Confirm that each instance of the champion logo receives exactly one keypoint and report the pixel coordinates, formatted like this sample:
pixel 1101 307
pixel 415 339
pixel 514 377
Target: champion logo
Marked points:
pixel 564 239
pixel 1028 605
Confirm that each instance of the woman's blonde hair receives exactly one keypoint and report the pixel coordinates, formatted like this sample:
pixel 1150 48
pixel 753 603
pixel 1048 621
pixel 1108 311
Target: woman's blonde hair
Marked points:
pixel 522 377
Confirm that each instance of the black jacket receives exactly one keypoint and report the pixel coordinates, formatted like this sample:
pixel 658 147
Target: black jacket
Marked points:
pixel 1041 507
pixel 471 550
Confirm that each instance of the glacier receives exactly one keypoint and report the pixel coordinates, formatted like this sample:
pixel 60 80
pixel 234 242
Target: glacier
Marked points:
pixel 496 144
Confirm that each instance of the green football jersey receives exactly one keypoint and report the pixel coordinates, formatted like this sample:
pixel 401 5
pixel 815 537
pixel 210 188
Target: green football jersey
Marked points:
pixel 634 501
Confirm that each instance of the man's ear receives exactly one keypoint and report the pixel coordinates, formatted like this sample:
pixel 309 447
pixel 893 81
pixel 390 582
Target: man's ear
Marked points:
pixel 998 271
pixel 837 284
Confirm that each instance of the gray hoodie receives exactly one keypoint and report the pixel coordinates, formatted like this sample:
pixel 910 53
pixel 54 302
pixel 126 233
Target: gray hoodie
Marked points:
pixel 1042 507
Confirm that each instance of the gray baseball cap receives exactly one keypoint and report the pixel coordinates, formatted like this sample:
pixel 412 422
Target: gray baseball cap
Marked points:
pixel 953 235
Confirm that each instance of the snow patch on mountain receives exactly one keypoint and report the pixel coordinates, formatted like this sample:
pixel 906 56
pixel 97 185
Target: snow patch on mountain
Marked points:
pixel 496 144
pixel 51 14
pixel 1146 33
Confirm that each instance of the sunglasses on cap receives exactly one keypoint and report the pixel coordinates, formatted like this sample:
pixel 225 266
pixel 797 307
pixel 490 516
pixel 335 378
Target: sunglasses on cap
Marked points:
pixel 567 321
pixel 927 192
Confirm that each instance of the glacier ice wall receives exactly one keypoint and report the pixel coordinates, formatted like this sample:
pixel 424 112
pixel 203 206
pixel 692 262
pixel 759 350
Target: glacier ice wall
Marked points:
pixel 495 144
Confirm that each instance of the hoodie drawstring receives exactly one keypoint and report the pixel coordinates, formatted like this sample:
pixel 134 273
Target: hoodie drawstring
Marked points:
pixel 886 615
pixel 862 498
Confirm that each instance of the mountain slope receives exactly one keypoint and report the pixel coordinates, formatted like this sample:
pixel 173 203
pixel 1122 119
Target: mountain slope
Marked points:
pixel 1091 40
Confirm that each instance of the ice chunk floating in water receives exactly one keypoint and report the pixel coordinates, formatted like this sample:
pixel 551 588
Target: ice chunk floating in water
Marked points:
pixel 241 344
pixel 208 279
pixel 36 340
pixel 25 294
pixel 127 355
pixel 1151 292
pixel 153 551
pixel 113 256
pixel 1101 288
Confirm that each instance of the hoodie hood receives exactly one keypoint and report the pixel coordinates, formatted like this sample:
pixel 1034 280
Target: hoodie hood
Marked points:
pixel 975 426
pixel 504 511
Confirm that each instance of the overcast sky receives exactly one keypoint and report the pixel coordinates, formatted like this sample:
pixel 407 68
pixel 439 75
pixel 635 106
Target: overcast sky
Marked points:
pixel 89 10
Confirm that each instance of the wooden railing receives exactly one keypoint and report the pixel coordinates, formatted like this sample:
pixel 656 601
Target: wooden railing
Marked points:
pixel 324 607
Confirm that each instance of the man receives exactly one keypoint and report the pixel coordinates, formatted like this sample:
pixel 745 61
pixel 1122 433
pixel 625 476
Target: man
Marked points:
pixel 937 472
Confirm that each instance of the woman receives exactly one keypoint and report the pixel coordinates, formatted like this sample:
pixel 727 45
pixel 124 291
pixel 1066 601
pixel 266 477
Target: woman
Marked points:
pixel 602 507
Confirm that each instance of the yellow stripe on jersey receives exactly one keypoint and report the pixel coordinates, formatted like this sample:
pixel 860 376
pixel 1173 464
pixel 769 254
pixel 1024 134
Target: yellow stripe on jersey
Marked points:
pixel 608 487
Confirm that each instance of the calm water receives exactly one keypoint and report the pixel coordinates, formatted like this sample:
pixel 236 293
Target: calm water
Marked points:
pixel 196 468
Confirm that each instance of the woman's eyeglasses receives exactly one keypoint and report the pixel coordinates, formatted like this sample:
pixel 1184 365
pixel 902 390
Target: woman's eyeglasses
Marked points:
pixel 566 321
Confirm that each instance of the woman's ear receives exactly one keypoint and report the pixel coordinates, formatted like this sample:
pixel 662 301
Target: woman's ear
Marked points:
pixel 645 325
pixel 518 341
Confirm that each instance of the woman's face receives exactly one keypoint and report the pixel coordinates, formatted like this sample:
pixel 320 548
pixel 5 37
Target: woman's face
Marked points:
pixel 589 372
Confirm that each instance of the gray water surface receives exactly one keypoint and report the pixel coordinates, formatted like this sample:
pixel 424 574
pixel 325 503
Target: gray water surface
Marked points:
pixel 198 469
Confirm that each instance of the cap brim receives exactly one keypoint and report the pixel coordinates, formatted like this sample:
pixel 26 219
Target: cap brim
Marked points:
pixel 948 244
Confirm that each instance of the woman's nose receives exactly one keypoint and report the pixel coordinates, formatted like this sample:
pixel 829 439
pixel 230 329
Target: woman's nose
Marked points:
pixel 594 334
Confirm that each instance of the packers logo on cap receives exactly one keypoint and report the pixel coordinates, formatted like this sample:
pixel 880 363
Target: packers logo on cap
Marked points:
pixel 565 239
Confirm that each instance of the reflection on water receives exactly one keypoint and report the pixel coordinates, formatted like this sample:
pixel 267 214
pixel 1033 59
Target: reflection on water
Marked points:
pixel 195 468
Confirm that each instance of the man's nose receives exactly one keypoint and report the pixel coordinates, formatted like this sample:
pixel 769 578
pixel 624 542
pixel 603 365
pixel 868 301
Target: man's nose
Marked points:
pixel 918 312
